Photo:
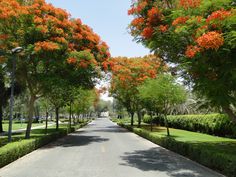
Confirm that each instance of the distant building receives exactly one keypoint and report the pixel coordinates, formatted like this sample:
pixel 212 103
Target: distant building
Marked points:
pixel 105 114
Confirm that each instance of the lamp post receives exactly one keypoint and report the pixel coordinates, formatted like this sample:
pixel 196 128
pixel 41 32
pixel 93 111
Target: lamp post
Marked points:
pixel 14 52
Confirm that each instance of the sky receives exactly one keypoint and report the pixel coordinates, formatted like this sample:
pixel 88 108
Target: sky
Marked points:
pixel 109 19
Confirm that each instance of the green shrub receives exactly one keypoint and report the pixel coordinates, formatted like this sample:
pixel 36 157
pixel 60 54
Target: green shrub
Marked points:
pixel 213 124
pixel 12 151
pixel 15 150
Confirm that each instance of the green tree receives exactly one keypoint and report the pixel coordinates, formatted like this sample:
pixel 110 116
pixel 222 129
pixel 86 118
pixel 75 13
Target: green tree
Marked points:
pixel 84 102
pixel 161 94
pixel 127 75
pixel 202 47
pixel 54 47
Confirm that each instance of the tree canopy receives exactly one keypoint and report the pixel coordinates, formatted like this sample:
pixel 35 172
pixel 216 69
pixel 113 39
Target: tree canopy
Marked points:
pixel 128 74
pixel 198 37
pixel 56 47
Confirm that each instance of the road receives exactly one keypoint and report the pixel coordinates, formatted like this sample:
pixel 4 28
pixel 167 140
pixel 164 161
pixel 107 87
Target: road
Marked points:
pixel 102 149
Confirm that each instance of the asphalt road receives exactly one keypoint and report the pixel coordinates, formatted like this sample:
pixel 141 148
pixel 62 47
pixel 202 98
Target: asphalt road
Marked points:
pixel 102 149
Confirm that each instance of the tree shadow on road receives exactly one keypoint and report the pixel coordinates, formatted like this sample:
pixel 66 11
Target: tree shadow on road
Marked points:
pixel 76 139
pixel 111 129
pixel 158 159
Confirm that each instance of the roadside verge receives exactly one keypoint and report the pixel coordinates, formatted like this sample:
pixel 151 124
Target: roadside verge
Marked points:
pixel 220 161
pixel 13 151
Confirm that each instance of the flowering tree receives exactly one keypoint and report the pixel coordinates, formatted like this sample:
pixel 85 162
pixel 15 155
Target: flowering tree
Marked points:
pixel 198 36
pixel 127 75
pixel 55 47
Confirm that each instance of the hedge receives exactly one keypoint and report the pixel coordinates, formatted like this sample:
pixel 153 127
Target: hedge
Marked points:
pixel 213 124
pixel 15 150
pixel 198 152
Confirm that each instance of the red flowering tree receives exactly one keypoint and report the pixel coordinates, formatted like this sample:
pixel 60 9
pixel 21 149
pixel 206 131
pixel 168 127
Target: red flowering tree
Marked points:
pixel 55 47
pixel 127 75
pixel 198 36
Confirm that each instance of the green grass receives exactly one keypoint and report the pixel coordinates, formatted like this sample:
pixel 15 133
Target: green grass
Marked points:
pixel 36 133
pixel 186 136
pixel 212 143
pixel 17 126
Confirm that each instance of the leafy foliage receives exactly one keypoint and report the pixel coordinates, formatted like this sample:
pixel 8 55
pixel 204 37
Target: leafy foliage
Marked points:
pixel 56 48
pixel 162 93
pixel 202 35
pixel 128 74
pixel 214 124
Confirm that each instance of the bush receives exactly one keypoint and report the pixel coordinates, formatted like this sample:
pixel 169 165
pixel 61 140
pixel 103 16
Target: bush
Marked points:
pixel 200 152
pixel 15 150
pixel 213 124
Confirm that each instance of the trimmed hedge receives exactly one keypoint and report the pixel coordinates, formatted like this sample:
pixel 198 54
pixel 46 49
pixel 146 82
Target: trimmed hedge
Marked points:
pixel 213 124
pixel 198 152
pixel 15 150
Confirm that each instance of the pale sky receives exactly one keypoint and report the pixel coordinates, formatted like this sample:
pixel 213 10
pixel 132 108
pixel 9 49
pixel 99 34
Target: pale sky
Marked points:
pixel 109 19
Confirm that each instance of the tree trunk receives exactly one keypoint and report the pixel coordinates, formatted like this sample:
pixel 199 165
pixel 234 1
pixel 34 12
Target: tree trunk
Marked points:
pixel 57 117
pixel 31 113
pixel 46 127
pixel 132 119
pixel 139 118
pixel 151 123
pixel 74 121
pixel 1 117
pixel 230 113
pixel 167 125
pixel 70 115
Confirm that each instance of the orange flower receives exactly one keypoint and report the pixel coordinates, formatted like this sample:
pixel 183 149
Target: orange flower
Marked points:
pixel 192 51
pixel 46 46
pixel 138 21
pixel 43 28
pixel 189 3
pixel 141 6
pixel 38 20
pixel 154 16
pixel 105 65
pixel 83 64
pixel 131 11
pixel 163 28
pixel 211 40
pixel 11 9
pixel 147 32
pixel 61 40
pixel 71 60
pixel 218 15
pixel 3 36
pixel 180 20
pixel 138 8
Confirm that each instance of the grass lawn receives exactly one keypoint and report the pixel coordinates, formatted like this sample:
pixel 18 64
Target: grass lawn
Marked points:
pixel 212 143
pixel 36 133
pixel 17 126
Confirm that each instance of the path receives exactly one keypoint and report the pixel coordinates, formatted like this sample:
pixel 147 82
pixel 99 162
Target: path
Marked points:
pixel 103 149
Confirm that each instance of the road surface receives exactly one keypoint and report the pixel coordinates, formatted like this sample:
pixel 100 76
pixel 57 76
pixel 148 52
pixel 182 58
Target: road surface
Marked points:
pixel 102 149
